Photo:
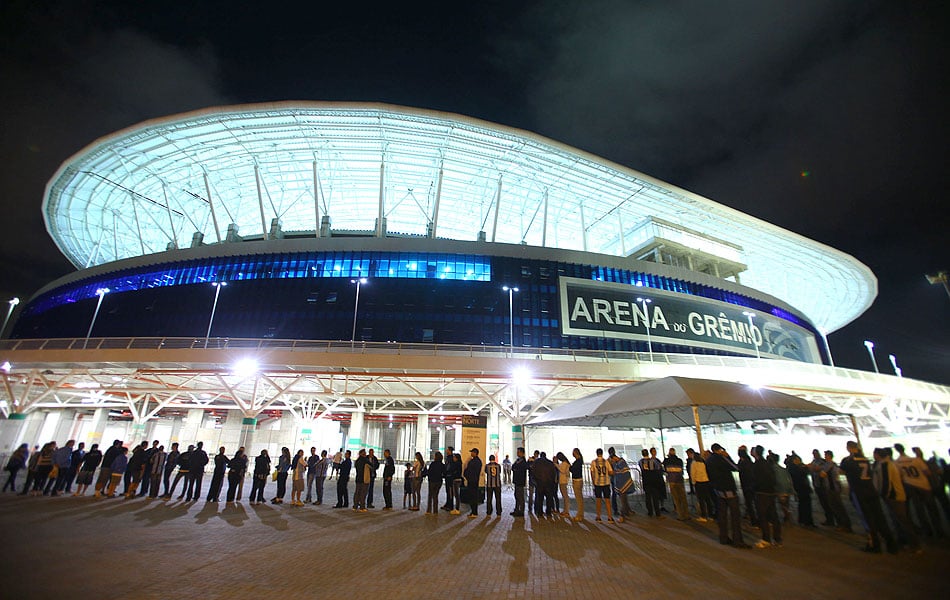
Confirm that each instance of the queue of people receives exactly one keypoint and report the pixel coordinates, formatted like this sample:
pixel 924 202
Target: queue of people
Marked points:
pixel 897 498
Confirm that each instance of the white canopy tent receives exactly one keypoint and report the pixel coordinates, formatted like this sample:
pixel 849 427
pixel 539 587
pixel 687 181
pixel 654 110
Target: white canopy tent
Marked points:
pixel 679 402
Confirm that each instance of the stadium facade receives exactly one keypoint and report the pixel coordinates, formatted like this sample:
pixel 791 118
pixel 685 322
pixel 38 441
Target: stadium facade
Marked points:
pixel 388 270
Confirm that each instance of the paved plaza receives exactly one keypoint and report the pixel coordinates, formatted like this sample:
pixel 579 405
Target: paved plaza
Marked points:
pixel 114 548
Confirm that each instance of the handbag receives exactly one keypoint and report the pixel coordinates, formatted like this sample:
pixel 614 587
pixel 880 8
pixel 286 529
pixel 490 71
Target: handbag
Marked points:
pixel 273 477
pixel 54 472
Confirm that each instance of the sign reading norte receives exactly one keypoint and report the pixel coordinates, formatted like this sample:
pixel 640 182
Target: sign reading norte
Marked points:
pixel 612 310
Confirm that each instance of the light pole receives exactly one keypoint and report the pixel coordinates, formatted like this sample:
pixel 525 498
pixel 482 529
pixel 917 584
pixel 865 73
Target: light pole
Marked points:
pixel 511 319
pixel 940 277
pixel 646 323
pixel 214 305
pixel 13 302
pixel 750 316
pixel 870 346
pixel 897 370
pixel 101 292
pixel 356 306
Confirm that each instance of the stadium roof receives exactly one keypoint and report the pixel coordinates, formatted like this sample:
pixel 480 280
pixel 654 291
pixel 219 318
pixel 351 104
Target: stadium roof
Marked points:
pixel 429 173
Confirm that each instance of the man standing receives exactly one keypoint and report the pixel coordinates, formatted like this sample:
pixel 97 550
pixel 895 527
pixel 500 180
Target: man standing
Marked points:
pixel 373 467
pixel 62 457
pixel 389 471
pixel 832 475
pixel 799 474
pixel 105 473
pixel 819 482
pixel 337 462
pixel 888 480
pixel 532 483
pixel 600 473
pixel 545 485
pixel 155 471
pixel 199 458
pixel 620 481
pixel 217 476
pixel 312 461
pixel 506 466
pixel 493 486
pixel 171 461
pixel 719 467
pixel 342 482
pixel 473 476
pixel 75 461
pixel 519 476
pixel 450 472
pixel 652 473
pixel 747 481
pixel 765 493
pixel 915 475
pixel 363 469
pixel 323 466
pixel 184 468
pixel 146 478
pixel 858 470
pixel 673 465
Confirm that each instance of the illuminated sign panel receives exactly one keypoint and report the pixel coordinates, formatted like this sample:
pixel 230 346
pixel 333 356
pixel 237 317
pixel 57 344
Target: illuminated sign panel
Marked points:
pixel 612 310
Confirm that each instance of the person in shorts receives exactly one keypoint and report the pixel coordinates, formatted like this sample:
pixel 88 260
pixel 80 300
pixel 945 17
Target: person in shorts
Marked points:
pixel 600 473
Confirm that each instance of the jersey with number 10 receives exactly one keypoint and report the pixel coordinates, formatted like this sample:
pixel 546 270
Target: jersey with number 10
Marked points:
pixel 600 471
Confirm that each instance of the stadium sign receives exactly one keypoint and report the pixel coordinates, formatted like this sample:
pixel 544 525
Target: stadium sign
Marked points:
pixel 612 310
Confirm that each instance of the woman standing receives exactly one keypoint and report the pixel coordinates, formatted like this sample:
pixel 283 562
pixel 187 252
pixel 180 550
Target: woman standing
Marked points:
pixel 89 463
pixel 217 477
pixel 261 472
pixel 564 476
pixel 17 461
pixel 236 469
pixel 299 478
pixel 577 481
pixel 435 473
pixel 418 471
pixel 44 465
pixel 283 466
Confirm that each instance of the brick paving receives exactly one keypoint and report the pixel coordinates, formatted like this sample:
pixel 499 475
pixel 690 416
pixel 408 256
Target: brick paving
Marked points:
pixel 84 547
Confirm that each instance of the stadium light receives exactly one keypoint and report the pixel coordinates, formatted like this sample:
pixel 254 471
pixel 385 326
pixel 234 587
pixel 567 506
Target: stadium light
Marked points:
pixel 939 278
pixel 646 315
pixel 750 316
pixel 13 302
pixel 245 367
pixel 511 319
pixel 870 346
pixel 897 370
pixel 214 305
pixel 101 292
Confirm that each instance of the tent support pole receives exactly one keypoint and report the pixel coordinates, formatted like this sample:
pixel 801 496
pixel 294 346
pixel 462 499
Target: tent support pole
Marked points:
pixel 662 441
pixel 857 434
pixel 699 433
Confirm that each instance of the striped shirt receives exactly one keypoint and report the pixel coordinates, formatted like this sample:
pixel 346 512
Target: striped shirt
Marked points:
pixel 600 471
pixel 493 475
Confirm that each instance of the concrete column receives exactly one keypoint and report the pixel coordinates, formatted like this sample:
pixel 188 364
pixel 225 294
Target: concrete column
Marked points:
pixel 354 437
pixel 99 421
pixel 457 442
pixel 11 432
pixel 422 435
pixel 231 430
pixel 494 439
pixel 442 439
pixel 189 427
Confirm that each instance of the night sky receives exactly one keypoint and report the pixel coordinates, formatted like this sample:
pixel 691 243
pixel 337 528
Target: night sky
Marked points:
pixel 826 118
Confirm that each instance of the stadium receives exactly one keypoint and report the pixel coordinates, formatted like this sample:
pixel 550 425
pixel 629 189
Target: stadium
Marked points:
pixel 332 274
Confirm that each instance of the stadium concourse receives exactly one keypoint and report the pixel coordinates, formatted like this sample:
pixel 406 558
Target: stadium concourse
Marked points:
pixel 82 547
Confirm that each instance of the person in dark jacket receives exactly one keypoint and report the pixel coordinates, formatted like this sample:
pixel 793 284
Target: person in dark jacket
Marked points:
pixel 747 482
pixel 362 468
pixel 343 481
pixel 284 463
pixel 90 461
pixel 519 475
pixel 17 461
pixel 453 481
pixel 118 468
pixel 147 478
pixel 435 473
pixel 135 470
pixel 237 469
pixel 449 475
pixel 389 471
pixel 155 470
pixel 184 468
pixel 105 473
pixel 769 522
pixel 545 485
pixel 473 477
pixel 261 473
pixel 217 476
pixel 800 476
pixel 199 458
pixel 719 467
pixel 65 485
pixel 171 461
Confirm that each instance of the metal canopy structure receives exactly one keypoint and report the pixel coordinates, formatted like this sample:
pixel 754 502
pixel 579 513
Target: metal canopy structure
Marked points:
pixel 312 379
pixel 384 170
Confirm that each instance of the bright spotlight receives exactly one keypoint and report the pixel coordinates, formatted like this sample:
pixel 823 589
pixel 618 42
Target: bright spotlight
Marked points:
pixel 245 367
pixel 6 366
pixel 521 376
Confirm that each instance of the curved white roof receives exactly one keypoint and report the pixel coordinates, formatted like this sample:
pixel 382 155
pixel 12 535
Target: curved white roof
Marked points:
pixel 135 191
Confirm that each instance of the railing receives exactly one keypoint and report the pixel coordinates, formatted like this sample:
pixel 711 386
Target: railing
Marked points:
pixel 470 351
